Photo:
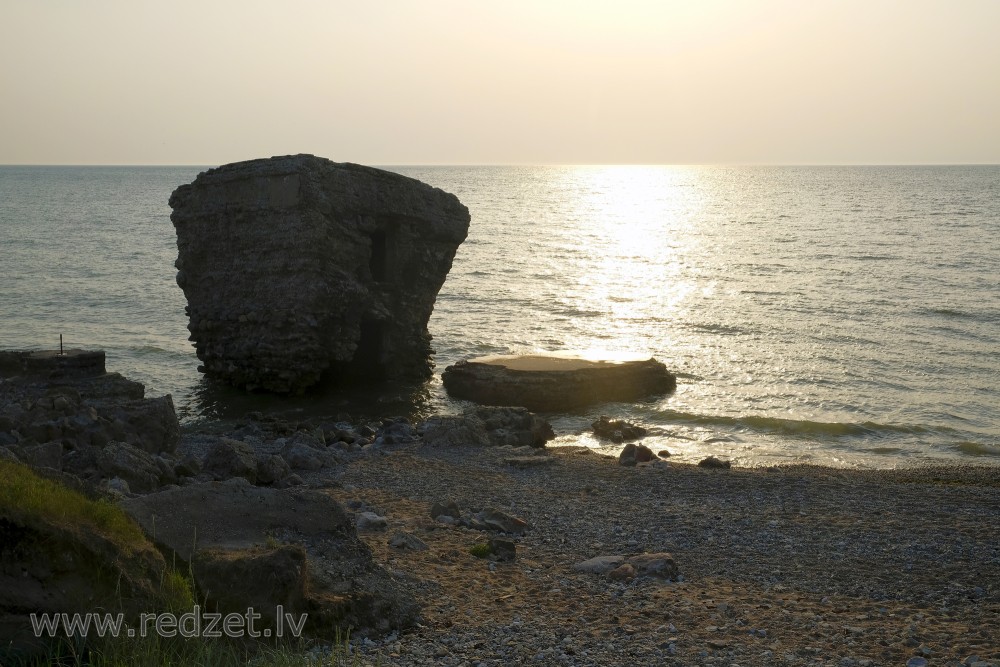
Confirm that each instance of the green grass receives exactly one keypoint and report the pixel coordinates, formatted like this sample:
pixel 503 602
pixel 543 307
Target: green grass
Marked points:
pixel 480 550
pixel 24 495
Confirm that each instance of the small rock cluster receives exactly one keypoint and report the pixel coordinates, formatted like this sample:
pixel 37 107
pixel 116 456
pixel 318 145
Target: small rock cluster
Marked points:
pixel 617 430
pixel 493 520
pixel 627 568
pixel 487 426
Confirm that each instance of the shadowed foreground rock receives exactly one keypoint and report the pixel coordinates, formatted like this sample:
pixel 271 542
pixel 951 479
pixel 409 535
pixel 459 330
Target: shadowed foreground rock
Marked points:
pixel 297 266
pixel 255 547
pixel 62 553
pixel 551 383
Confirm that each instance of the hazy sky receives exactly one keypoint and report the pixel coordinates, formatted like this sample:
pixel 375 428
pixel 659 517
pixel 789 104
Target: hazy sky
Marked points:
pixel 501 82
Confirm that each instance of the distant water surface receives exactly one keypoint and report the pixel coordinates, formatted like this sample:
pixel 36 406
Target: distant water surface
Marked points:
pixel 836 315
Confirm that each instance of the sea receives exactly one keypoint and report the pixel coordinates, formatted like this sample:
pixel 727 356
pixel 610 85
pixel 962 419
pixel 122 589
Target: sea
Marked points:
pixel 840 316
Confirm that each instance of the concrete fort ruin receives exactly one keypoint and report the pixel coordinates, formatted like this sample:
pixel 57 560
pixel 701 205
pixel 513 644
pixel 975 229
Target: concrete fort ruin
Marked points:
pixel 296 266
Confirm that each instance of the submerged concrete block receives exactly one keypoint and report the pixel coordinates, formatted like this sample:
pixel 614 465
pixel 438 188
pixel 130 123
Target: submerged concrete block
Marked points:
pixel 298 266
pixel 51 364
pixel 555 382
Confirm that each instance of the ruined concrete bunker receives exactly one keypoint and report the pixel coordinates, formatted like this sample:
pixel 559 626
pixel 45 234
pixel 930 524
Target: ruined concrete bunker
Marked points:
pixel 297 267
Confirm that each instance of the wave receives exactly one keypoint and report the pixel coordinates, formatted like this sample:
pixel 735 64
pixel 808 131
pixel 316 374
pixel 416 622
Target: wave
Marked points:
pixel 721 329
pixel 949 312
pixel 797 427
pixel 873 258
pixel 976 449
pixel 577 312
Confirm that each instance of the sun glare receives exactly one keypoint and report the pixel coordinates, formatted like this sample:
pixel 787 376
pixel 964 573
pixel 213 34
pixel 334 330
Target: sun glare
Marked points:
pixel 635 205
pixel 642 223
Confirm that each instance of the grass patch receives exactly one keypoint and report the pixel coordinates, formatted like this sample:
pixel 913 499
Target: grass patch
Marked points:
pixel 25 496
pixel 480 550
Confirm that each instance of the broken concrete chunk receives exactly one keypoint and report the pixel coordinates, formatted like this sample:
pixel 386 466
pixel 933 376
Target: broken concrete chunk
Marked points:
pixel 296 266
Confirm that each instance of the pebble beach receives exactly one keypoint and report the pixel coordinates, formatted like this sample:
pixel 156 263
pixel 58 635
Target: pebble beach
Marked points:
pixel 777 566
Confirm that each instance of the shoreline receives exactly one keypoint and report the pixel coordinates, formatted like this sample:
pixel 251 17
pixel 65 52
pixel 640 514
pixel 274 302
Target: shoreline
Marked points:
pixel 572 439
pixel 791 565
pixel 794 565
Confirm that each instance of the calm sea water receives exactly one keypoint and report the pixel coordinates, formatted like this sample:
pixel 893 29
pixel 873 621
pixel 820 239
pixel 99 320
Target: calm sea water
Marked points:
pixel 836 315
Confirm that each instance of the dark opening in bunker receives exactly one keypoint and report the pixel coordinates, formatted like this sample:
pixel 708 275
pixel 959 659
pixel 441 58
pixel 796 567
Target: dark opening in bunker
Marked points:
pixel 367 361
pixel 377 262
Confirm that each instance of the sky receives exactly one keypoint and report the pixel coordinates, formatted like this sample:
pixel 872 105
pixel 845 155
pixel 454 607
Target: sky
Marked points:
pixel 397 82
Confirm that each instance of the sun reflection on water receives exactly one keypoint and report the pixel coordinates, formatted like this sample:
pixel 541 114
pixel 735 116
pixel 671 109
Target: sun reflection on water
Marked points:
pixel 639 224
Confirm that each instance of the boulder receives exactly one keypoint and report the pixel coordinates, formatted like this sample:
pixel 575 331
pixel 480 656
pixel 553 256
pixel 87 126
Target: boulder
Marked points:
pixel 555 382
pixel 445 508
pixel 716 463
pixel 263 578
pixel 632 454
pixel 52 364
pixel 501 522
pixel 231 458
pixel 219 527
pixel 599 564
pixel 623 568
pixel 525 462
pixel 151 422
pixel 62 411
pixel 407 542
pixel 616 430
pixel 394 431
pixel 624 572
pixel 45 455
pixel 300 456
pixel 514 427
pixel 503 550
pixel 296 266
pixel 371 521
pixel 81 557
pixel 454 431
pixel 488 426
pixel 271 468
pixel 659 565
pixel 138 468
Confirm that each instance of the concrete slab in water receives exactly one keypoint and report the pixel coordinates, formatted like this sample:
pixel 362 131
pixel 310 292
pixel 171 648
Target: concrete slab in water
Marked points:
pixel 558 361
pixel 557 381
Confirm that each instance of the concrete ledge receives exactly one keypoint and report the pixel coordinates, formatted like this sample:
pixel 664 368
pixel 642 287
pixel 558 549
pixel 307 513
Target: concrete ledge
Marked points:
pixel 556 382
pixel 51 364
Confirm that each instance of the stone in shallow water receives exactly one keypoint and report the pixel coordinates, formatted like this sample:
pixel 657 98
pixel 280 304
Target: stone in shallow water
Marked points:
pixel 556 381
pixel 715 463
pixel 617 430
pixel 482 426
pixel 633 454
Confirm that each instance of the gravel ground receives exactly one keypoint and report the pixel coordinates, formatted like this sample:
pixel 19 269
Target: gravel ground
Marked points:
pixel 779 566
